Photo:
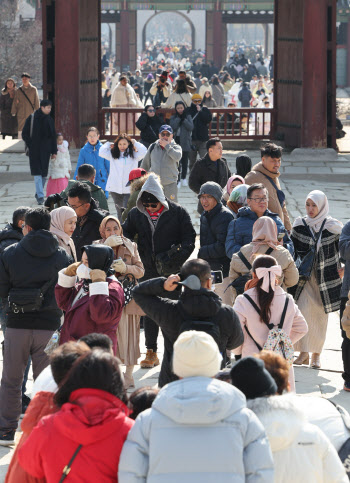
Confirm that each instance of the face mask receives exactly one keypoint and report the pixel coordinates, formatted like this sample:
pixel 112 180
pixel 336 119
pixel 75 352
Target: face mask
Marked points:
pixel 83 271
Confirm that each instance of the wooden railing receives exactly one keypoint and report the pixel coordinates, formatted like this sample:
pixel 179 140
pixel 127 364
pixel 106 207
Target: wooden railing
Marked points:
pixel 227 123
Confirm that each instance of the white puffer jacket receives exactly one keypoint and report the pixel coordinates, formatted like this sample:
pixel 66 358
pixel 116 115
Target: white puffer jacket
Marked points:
pixel 61 166
pixel 197 431
pixel 301 451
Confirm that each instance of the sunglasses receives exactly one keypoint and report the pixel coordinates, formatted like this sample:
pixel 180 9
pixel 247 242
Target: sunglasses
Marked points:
pixel 151 110
pixel 150 205
pixel 197 100
pixel 166 134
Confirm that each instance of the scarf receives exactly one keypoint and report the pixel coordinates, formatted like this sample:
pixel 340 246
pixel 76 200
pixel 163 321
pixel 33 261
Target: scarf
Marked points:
pixel 321 201
pixel 154 216
pixel 58 217
pixel 264 233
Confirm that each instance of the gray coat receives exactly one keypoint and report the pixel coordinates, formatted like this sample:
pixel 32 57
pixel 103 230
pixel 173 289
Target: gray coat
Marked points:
pixel 344 249
pixel 186 128
pixel 197 431
pixel 164 162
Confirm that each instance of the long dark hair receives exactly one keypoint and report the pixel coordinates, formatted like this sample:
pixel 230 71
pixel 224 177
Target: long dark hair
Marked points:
pixel 142 399
pixel 115 151
pixel 9 79
pixel 181 87
pixel 264 298
pixel 97 369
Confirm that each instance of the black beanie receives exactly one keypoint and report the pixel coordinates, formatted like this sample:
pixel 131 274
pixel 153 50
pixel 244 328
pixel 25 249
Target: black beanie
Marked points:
pixel 250 376
pixel 148 198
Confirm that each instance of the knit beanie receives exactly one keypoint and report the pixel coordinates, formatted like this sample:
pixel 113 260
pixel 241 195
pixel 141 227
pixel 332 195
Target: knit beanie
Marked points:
pixel 196 96
pixel 211 188
pixel 196 354
pixel 250 376
pixel 148 198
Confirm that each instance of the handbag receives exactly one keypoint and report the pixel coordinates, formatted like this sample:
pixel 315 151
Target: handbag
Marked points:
pixel 305 264
pixel 128 283
pixel 26 300
pixel 26 148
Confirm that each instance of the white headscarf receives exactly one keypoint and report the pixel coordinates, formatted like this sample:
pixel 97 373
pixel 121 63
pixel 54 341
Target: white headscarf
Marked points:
pixel 321 201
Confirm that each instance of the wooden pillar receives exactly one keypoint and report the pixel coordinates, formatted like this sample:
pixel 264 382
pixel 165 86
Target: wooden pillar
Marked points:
pixel 124 40
pixel 218 38
pixel 314 113
pixel 348 56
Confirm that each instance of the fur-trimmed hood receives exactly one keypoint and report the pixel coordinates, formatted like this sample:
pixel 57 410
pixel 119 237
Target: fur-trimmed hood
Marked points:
pixel 138 183
pixel 282 418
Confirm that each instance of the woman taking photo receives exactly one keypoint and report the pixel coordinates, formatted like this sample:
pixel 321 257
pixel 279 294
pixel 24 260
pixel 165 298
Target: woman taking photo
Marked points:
pixel 265 294
pixel 89 294
pixel 63 223
pixel 89 429
pixel 265 241
pixel 181 93
pixel 320 295
pixel 149 124
pixel 127 261
pixel 123 156
pixel 182 125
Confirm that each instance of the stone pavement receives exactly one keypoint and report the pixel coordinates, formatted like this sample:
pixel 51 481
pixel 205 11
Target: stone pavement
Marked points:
pixel 300 174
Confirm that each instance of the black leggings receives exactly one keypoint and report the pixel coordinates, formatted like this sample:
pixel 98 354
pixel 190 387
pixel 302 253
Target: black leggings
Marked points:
pixel 183 165
pixel 345 347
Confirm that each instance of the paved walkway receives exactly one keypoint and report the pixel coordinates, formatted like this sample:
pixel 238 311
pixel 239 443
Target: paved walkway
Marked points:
pixel 299 175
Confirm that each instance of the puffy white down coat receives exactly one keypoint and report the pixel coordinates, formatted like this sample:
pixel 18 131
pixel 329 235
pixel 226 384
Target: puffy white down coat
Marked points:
pixel 60 167
pixel 197 431
pixel 301 451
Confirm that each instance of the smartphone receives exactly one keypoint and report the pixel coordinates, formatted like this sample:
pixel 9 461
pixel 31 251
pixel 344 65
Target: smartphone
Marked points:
pixel 280 236
pixel 216 277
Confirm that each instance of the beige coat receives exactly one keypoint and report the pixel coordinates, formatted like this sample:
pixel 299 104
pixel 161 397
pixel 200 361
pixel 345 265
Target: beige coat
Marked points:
pixel 21 106
pixel 256 176
pixel 70 247
pixel 290 274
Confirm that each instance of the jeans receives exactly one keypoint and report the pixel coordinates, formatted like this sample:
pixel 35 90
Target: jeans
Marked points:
pixel 120 201
pixel 39 186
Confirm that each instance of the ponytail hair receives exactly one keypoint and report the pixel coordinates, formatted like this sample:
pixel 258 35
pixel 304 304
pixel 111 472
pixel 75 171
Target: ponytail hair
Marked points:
pixel 264 298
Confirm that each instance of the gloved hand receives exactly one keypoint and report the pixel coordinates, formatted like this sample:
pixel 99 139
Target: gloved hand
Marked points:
pixel 52 199
pixel 71 270
pixel 98 275
pixel 119 266
pixel 113 241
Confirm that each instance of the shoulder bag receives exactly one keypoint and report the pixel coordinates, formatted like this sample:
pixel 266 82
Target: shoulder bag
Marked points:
pixel 280 195
pixel 128 282
pixel 24 300
pixel 25 95
pixel 306 264
pixel 67 468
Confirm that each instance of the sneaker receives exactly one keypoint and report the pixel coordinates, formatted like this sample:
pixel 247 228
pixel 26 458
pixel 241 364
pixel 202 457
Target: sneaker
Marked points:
pixel 7 437
pixel 25 403
pixel 40 201
pixel 346 386
pixel 184 182
pixel 179 185
pixel 151 360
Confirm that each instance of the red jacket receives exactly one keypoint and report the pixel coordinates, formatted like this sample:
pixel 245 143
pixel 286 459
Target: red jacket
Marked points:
pixel 94 418
pixel 41 405
pixel 98 311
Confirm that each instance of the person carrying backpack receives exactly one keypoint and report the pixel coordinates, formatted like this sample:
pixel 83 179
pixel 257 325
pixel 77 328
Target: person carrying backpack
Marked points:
pixel 269 317
pixel 197 308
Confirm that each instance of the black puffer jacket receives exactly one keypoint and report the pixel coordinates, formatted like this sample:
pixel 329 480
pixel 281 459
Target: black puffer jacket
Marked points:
pixel 31 263
pixel 90 230
pixel 170 314
pixel 9 235
pixel 207 170
pixel 149 127
pixel 201 121
pixel 213 231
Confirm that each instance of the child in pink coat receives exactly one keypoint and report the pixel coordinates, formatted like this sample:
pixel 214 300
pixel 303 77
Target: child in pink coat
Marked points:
pixel 270 298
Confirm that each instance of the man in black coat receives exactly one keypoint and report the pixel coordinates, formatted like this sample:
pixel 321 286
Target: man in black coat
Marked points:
pixel 149 124
pixel 201 117
pixel 88 214
pixel 32 263
pixel 197 303
pixel 40 137
pixel 212 167
pixel 213 230
pixel 166 239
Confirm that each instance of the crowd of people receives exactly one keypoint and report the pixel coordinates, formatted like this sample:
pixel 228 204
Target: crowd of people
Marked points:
pixel 76 283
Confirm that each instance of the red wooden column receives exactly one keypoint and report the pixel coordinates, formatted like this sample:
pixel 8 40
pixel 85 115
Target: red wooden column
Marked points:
pixel 218 38
pixel 314 110
pixel 124 39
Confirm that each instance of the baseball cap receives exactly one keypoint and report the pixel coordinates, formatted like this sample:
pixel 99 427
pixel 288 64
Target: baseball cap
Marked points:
pixel 166 127
pixel 135 173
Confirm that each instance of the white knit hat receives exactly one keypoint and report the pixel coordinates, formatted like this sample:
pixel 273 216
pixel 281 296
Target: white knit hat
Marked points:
pixel 196 354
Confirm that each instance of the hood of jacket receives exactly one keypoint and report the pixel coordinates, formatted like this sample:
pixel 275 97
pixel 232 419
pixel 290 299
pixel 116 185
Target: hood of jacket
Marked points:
pixel 90 415
pixel 138 183
pixel 152 186
pixel 201 304
pixel 281 418
pixel 246 211
pixel 40 243
pixel 90 148
pixel 10 232
pixel 199 401
pixel 259 167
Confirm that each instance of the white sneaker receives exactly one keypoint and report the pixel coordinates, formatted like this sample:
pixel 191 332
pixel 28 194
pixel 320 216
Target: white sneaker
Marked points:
pixel 179 185
pixel 184 182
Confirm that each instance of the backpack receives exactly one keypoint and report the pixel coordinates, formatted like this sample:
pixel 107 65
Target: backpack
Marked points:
pixel 277 340
pixel 240 282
